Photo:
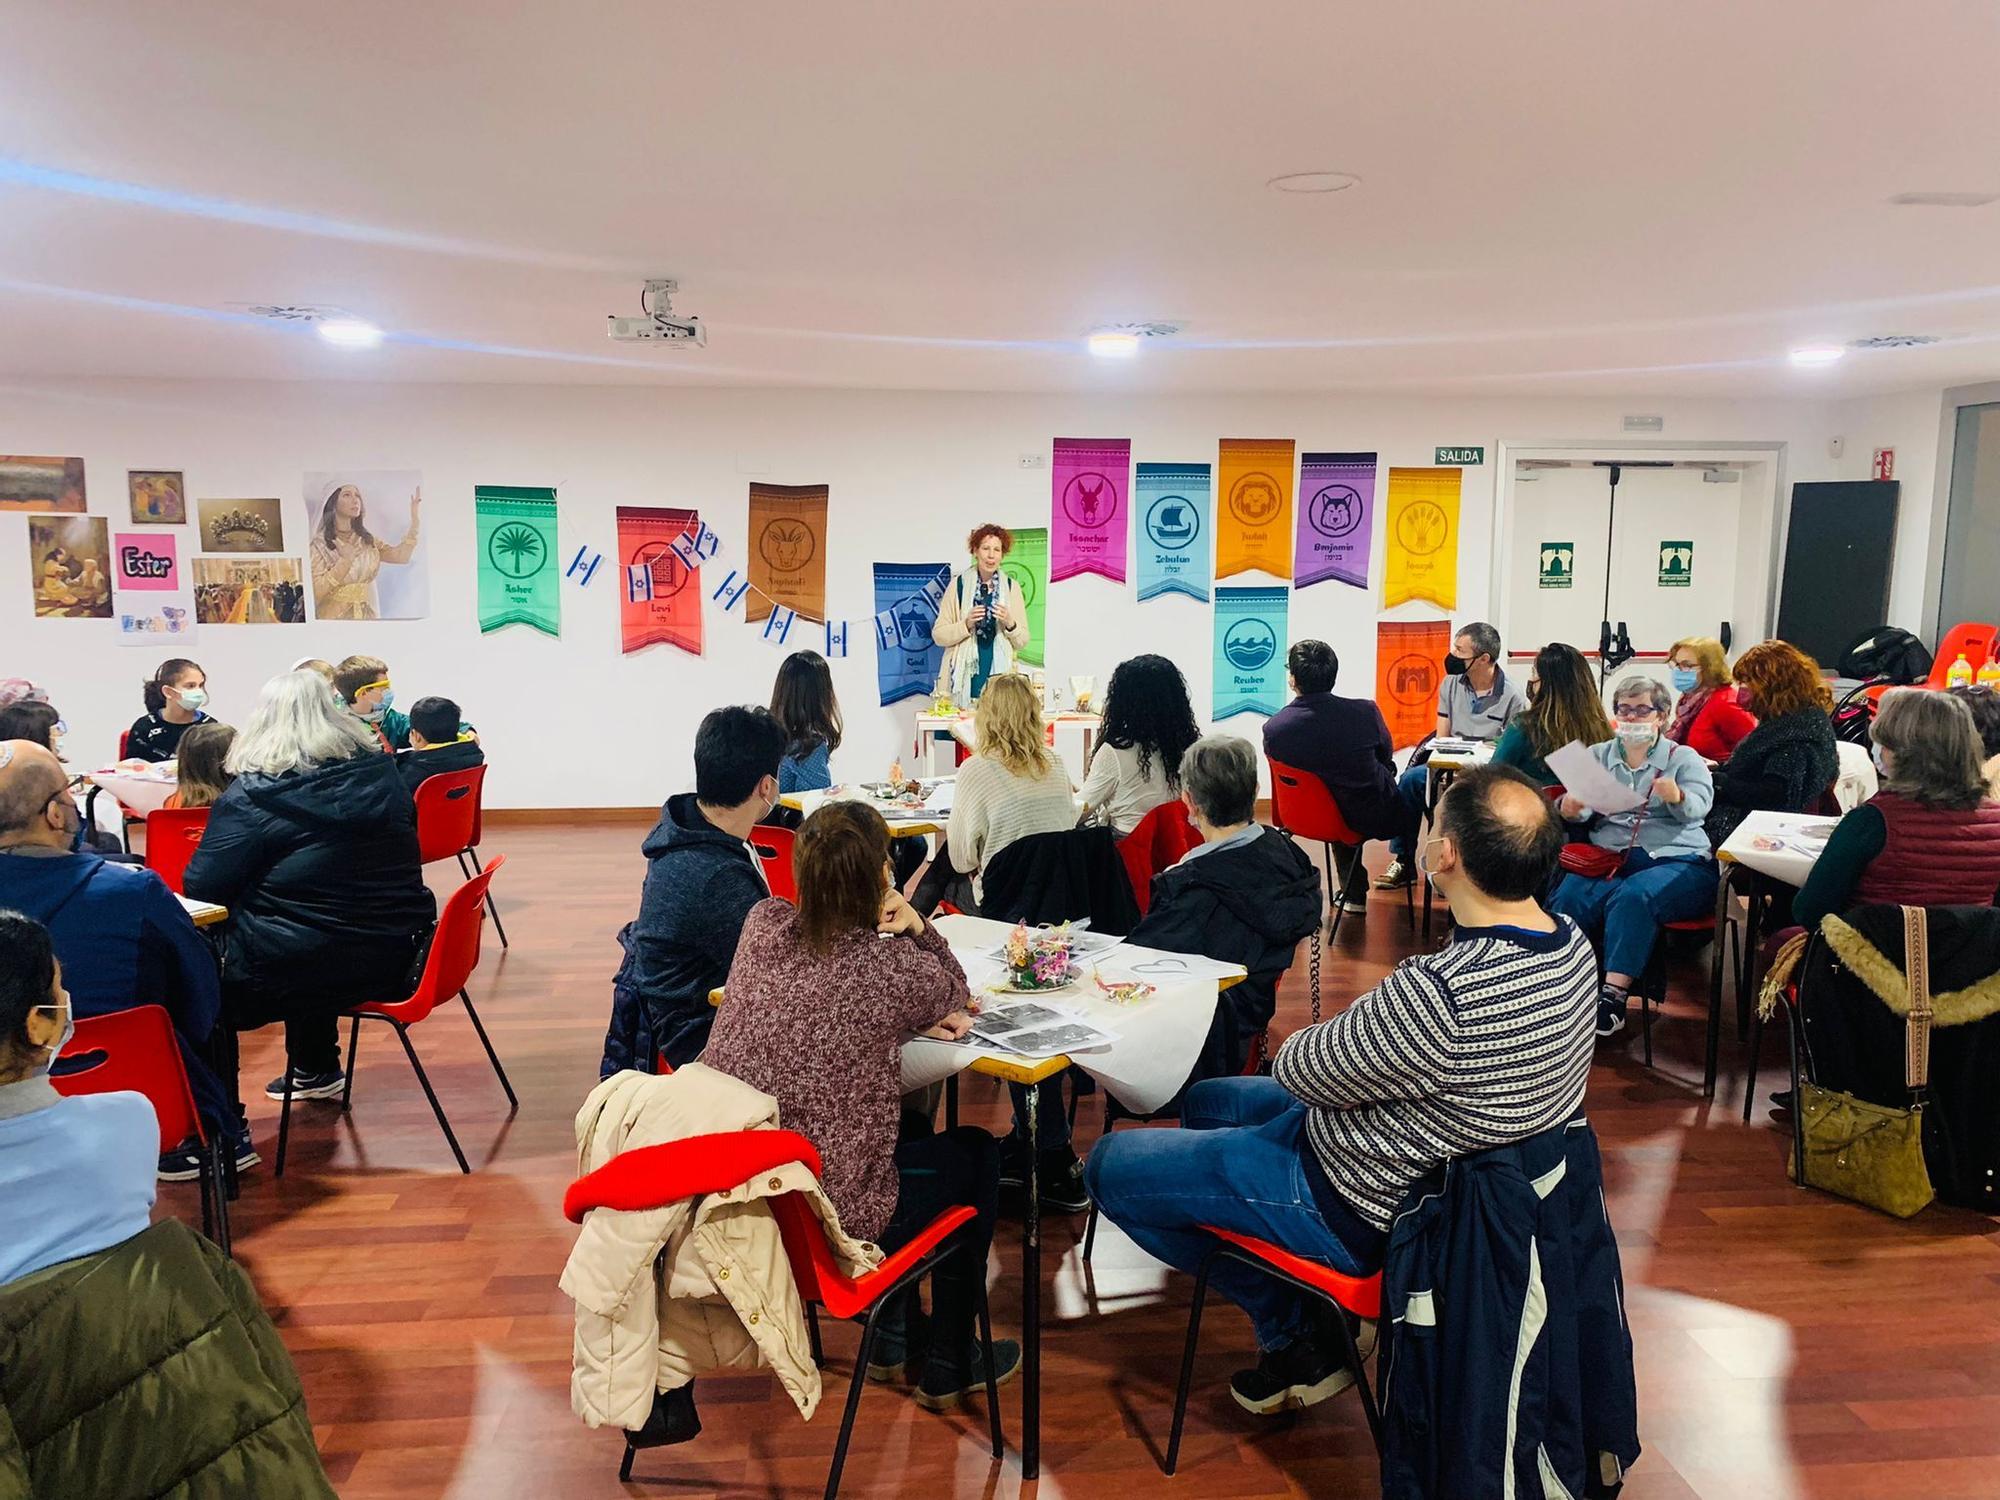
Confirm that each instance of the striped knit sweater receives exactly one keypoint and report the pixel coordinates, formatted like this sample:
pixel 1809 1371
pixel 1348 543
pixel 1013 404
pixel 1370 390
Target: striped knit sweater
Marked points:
pixel 1483 1044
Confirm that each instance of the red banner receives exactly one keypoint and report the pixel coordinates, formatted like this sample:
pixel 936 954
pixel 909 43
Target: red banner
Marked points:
pixel 663 603
pixel 1409 670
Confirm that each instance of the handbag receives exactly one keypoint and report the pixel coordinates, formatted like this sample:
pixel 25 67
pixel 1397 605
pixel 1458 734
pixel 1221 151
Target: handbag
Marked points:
pixel 1874 1153
pixel 1592 861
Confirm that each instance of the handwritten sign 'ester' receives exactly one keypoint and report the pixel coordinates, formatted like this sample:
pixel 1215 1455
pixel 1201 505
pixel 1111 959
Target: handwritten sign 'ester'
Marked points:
pixel 147 560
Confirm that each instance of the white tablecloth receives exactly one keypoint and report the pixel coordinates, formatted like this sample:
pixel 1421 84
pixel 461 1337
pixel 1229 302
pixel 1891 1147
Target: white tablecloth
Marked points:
pixel 1774 844
pixel 138 792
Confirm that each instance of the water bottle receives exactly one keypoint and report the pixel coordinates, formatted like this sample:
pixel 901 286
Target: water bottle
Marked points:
pixel 1989 674
pixel 1960 674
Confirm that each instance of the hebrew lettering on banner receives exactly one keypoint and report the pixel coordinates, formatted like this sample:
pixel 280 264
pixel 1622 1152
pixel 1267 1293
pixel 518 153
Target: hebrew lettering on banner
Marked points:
pixel 661 601
pixel 1422 531
pixel 1088 484
pixel 1170 509
pixel 1336 517
pixel 1250 643
pixel 907 661
pixel 1253 507
pixel 1409 670
pixel 787 550
pixel 519 568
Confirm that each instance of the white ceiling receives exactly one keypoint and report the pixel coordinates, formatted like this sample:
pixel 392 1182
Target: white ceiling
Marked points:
pixel 1558 196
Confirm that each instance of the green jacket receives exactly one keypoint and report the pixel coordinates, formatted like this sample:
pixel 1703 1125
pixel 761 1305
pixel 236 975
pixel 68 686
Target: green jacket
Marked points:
pixel 150 1369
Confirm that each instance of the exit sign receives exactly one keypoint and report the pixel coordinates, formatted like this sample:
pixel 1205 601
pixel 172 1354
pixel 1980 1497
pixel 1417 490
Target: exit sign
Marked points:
pixel 1460 458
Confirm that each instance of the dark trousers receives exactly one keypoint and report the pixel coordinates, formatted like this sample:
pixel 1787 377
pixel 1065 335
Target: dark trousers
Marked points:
pixel 937 1172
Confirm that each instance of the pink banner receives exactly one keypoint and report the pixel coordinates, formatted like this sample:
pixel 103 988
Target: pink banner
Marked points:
pixel 147 561
pixel 1089 488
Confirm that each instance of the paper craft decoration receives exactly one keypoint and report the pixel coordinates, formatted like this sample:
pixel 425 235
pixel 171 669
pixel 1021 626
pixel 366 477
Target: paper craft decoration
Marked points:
pixel 518 567
pixel 158 496
pixel 1336 517
pixel 44 484
pixel 71 560
pixel 1171 513
pixel 1088 483
pixel 249 591
pixel 787 549
pixel 1250 639
pixel 661 601
pixel 1422 533
pixel 241 525
pixel 149 562
pixel 1409 670
pixel 1027 563
pixel 1253 508
pixel 154 602
pixel 907 661
pixel 377 568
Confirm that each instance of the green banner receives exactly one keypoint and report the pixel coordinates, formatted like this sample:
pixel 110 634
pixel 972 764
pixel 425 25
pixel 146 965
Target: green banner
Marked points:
pixel 518 571
pixel 1028 565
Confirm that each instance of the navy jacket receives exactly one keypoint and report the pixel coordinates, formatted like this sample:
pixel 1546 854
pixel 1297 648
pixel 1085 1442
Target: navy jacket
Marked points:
pixel 700 885
pixel 418 766
pixel 1345 743
pixel 1504 1315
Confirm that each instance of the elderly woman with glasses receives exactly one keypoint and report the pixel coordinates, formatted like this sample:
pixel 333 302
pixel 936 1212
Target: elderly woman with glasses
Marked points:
pixel 1657 864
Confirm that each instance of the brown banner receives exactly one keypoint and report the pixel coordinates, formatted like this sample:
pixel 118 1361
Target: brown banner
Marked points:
pixel 672 613
pixel 1409 670
pixel 787 550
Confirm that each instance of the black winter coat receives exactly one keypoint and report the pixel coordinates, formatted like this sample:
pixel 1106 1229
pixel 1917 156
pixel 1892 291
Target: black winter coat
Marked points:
pixel 1060 877
pixel 325 889
pixel 1780 766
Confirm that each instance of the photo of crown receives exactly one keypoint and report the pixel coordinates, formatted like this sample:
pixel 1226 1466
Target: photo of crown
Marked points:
pixel 240 526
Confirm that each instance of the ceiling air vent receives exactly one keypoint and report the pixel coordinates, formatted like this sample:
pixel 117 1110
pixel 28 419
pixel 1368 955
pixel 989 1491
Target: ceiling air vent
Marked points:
pixel 288 312
pixel 1894 341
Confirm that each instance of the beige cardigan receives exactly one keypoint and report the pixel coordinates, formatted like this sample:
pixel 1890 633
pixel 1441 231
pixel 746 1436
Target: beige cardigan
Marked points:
pixel 961 650
pixel 665 1294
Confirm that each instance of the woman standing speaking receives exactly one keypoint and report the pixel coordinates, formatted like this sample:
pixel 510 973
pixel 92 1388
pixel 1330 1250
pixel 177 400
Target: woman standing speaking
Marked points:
pixel 982 621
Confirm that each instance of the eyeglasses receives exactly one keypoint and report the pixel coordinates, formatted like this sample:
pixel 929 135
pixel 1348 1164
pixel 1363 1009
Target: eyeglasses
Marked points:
pixel 1631 713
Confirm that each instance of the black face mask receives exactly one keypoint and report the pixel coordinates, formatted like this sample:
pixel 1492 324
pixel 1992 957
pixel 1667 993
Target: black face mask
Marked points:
pixel 1454 666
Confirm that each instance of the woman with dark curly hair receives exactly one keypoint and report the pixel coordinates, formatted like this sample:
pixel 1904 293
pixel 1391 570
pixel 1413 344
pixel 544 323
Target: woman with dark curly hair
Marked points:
pixel 982 621
pixel 1788 760
pixel 1148 725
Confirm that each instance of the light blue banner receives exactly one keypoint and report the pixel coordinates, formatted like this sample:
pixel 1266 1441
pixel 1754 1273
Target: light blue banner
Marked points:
pixel 1170 508
pixel 906 606
pixel 1250 642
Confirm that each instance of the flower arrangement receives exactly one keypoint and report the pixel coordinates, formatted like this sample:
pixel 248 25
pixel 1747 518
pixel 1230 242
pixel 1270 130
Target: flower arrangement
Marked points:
pixel 1038 959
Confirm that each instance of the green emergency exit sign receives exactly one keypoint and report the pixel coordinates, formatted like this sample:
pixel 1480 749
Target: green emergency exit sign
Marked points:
pixel 1460 458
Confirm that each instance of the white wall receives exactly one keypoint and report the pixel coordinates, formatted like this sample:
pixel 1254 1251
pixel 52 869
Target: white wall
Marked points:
pixel 1907 422
pixel 570 722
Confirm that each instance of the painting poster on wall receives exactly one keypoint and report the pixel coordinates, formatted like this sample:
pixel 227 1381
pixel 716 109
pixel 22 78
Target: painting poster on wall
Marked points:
pixel 1422 532
pixel 661 598
pixel 249 591
pixel 907 660
pixel 241 525
pixel 518 570
pixel 1253 507
pixel 365 545
pixel 45 484
pixel 158 496
pixel 154 602
pixel 1250 638
pixel 1027 563
pixel 1087 523
pixel 1336 517
pixel 1170 507
pixel 71 560
pixel 1409 670
pixel 787 550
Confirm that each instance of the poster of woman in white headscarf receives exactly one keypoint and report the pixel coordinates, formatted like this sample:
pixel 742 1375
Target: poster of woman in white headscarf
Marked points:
pixel 365 545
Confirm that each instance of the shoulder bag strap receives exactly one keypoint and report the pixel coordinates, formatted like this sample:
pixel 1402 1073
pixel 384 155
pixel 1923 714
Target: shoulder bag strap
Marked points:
pixel 1917 1028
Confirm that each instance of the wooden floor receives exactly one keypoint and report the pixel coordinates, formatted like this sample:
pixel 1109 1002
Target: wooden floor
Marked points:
pixel 1788 1344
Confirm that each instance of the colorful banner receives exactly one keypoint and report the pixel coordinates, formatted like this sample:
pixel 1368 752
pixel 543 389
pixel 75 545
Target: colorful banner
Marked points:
pixel 660 600
pixel 907 661
pixel 1253 511
pixel 1087 515
pixel 1409 670
pixel 518 565
pixel 787 549
pixel 1250 633
pixel 1336 517
pixel 1423 538
pixel 1170 509
pixel 1027 563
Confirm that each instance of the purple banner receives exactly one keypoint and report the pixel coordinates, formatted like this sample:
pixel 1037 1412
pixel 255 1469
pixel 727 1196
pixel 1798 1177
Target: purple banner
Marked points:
pixel 1087 526
pixel 1336 518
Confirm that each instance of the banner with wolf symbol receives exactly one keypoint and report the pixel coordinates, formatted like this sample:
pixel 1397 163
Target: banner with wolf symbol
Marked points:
pixel 1422 532
pixel 1087 507
pixel 907 660
pixel 1250 639
pixel 659 596
pixel 518 566
pixel 787 550
pixel 1253 507
pixel 1170 510
pixel 1027 563
pixel 1409 670
pixel 1336 517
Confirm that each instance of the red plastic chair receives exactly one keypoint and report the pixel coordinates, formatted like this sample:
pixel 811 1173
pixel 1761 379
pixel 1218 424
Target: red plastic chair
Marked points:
pixel 172 834
pixel 1162 837
pixel 454 955
pixel 774 852
pixel 652 1176
pixel 1974 641
pixel 448 825
pixel 136 1051
pixel 1303 807
pixel 1359 1295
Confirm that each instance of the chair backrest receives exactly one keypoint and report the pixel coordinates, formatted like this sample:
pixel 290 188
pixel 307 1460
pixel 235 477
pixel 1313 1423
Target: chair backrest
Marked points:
pixel 774 852
pixel 448 812
pixel 124 743
pixel 1162 837
pixel 1060 877
pixel 654 1176
pixel 454 948
pixel 135 1051
pixel 1970 639
pixel 1302 805
pixel 172 833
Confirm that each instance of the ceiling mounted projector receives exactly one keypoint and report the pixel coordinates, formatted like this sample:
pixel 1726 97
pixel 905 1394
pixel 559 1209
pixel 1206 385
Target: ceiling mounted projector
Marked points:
pixel 658 325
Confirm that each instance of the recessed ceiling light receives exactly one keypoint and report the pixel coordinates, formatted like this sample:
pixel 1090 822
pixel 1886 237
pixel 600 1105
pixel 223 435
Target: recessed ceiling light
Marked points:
pixel 1817 354
pixel 1313 182
pixel 1893 341
pixel 1113 345
pixel 1944 200
pixel 349 333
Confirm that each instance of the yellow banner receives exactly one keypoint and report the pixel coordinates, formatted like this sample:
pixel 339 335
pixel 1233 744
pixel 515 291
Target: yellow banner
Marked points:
pixel 1423 538
pixel 1253 507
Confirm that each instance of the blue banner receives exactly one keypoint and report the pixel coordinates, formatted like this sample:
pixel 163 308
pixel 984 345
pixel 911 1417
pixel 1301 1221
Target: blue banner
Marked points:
pixel 1250 640
pixel 906 660
pixel 1170 503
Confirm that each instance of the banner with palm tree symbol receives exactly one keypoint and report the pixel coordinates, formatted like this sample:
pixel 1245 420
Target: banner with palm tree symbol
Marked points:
pixel 787 550
pixel 1422 532
pixel 518 570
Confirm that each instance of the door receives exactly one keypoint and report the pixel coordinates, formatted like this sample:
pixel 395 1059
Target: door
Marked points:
pixel 1674 540
pixel 1838 551
pixel 1560 562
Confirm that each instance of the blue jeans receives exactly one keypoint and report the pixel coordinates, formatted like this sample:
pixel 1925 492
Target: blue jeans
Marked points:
pixel 1623 915
pixel 1237 1164
pixel 1412 787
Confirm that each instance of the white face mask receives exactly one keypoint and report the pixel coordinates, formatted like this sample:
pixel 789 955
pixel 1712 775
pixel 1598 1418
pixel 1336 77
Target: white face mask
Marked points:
pixel 192 699
pixel 1881 758
pixel 1638 734
pixel 68 1031
pixel 1424 869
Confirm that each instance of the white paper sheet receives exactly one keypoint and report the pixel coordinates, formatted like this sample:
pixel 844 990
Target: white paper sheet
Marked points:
pixel 1584 778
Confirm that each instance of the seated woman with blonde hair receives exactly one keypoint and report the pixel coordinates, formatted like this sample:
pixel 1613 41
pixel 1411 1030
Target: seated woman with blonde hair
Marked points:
pixel 1707 717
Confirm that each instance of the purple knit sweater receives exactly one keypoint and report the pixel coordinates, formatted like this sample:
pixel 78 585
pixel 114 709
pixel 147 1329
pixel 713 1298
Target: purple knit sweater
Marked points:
pixel 823 1035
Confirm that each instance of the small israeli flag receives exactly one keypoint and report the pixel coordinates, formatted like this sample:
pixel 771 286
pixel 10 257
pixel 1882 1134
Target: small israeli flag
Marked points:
pixel 778 624
pixel 706 543
pixel 580 569
pixel 682 547
pixel 886 633
pixel 934 592
pixel 729 593
pixel 836 639
pixel 639 583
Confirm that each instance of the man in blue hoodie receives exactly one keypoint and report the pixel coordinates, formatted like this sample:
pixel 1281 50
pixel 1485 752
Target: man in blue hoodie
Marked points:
pixel 702 878
pixel 123 938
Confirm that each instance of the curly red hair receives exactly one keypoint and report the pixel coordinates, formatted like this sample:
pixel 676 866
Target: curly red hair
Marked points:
pixel 981 533
pixel 1782 680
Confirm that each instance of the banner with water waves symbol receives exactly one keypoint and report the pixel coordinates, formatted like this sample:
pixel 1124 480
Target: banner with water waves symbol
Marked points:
pixel 1027 563
pixel 518 567
pixel 1171 511
pixel 1088 485
pixel 787 550
pixel 1336 517
pixel 1423 538
pixel 1409 670
pixel 659 596
pixel 1250 641
pixel 1253 507
pixel 907 661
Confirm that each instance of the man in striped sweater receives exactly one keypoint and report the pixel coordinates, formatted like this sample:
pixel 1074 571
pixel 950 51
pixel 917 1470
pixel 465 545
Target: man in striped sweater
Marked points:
pixel 1480 1045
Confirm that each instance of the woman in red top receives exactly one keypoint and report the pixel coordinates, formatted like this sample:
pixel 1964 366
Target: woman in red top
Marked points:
pixel 1707 719
pixel 821 999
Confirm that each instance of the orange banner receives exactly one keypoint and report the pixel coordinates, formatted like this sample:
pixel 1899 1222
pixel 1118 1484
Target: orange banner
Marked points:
pixel 663 602
pixel 1409 670
pixel 787 550
pixel 1253 507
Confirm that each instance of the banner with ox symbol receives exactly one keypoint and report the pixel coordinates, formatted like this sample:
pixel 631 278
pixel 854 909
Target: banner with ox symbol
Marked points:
pixel 1087 519
pixel 662 597
pixel 787 550
pixel 1250 641
pixel 907 660
pixel 1336 518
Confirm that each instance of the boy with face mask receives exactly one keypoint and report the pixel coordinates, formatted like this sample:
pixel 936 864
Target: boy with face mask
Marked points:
pixel 363 684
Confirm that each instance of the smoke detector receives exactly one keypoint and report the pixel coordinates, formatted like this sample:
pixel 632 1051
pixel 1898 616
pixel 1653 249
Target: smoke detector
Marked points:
pixel 1894 341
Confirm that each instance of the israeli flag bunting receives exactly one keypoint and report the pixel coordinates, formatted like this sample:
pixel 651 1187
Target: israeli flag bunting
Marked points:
pixel 886 633
pixel 729 593
pixel 934 592
pixel 639 583
pixel 682 547
pixel 836 639
pixel 583 571
pixel 778 624
pixel 706 543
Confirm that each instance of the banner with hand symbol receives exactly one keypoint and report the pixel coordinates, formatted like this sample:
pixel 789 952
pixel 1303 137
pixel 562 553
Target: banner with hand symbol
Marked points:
pixel 1422 533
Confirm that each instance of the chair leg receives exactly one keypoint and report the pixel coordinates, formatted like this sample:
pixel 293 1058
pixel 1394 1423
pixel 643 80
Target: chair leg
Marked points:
pixel 1333 894
pixel 221 1152
pixel 403 1035
pixel 491 1056
pixel 1753 1054
pixel 284 1122
pixel 1187 1362
pixel 353 1061
pixel 1090 1233
pixel 992 1376
pixel 1647 983
pixel 494 912
pixel 463 856
pixel 1359 1369
pixel 853 1398
pixel 207 1181
pixel 1793 1021
pixel 625 1466
pixel 812 1332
